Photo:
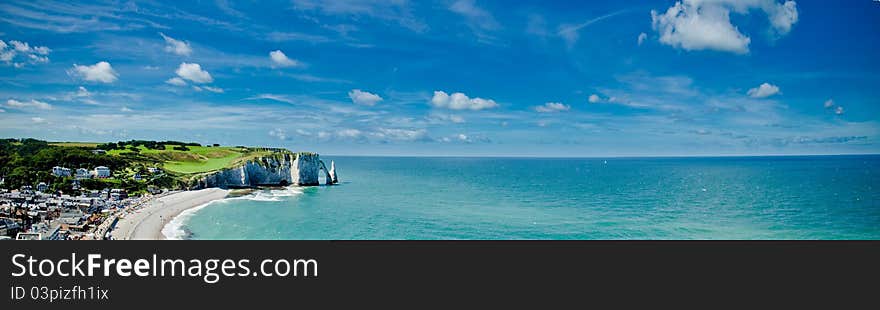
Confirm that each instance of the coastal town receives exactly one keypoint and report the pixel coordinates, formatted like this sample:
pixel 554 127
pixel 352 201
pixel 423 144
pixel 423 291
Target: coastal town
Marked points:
pixel 40 213
pixel 132 189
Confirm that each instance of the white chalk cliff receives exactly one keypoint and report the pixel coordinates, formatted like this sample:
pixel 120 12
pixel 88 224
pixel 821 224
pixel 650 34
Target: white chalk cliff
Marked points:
pixel 279 169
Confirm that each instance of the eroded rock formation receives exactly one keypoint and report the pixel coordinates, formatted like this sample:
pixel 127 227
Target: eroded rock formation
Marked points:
pixel 279 169
pixel 329 175
pixel 333 178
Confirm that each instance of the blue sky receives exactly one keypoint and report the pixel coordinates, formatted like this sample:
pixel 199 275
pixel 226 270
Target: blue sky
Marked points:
pixel 513 78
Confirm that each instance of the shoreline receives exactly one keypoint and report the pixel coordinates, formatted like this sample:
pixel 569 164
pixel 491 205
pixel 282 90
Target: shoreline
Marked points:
pixel 147 223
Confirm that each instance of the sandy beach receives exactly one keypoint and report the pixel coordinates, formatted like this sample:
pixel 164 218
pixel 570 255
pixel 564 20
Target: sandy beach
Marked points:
pixel 147 223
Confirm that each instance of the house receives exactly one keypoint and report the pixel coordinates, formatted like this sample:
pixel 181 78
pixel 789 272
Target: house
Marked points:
pixel 118 194
pixel 102 172
pixel 83 173
pixel 137 177
pixel 60 171
pixel 154 170
pixel 99 152
pixel 42 187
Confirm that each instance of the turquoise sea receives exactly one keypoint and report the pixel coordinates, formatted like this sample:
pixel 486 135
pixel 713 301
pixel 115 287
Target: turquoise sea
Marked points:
pixel 798 197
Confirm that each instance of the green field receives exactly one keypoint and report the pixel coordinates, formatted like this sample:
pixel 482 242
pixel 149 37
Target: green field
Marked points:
pixel 198 159
pixel 75 144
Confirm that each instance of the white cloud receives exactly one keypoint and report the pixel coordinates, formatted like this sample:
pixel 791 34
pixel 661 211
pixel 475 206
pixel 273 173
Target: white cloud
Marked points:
pixel 451 118
pixel 349 133
pixel 551 107
pixel 36 104
pixel 176 81
pixel 706 25
pixel 401 134
pixel 194 73
pixel 2 111
pixel 38 120
pixel 460 101
pixel 838 110
pixel 642 37
pixel 83 92
pixel 782 17
pixel 83 95
pixel 570 33
pixel 175 46
pixel 100 72
pixel 38 59
pixel 279 133
pixel 763 91
pixel 595 98
pixel 214 89
pixel 25 48
pixel 478 19
pixel 273 97
pixel 398 11
pixel 828 103
pixel 125 109
pixel 364 98
pixel 279 59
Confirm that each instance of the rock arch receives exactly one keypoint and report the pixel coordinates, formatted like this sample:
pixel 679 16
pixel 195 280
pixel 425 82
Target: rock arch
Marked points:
pixel 330 175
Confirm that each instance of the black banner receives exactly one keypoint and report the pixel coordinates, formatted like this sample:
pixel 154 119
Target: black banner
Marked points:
pixel 454 273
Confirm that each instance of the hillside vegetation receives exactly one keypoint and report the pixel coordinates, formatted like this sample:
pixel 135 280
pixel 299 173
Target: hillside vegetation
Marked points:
pixel 30 161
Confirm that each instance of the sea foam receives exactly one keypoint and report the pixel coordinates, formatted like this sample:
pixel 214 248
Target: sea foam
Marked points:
pixel 176 228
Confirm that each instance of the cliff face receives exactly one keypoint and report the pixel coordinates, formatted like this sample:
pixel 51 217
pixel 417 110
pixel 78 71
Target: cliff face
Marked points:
pixel 275 170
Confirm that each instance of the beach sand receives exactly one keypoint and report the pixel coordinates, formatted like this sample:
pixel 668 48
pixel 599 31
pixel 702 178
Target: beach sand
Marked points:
pixel 147 223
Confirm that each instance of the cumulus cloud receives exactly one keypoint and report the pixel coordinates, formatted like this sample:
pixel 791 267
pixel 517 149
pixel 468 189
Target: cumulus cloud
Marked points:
pixel 279 59
pixel 175 46
pixel 100 72
pixel 194 73
pixel 838 110
pixel 642 37
pixel 176 81
pixel 551 107
pixel 706 25
pixel 460 101
pixel 18 53
pixel 363 98
pixel 27 105
pixel 594 98
pixel 38 120
pixel 763 91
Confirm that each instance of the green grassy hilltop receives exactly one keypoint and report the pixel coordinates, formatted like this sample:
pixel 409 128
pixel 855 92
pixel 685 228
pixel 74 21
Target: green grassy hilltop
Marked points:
pixel 30 161
pixel 193 160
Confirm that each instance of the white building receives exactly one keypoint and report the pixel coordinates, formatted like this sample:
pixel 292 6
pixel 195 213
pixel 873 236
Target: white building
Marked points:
pixel 83 173
pixel 102 172
pixel 42 187
pixel 60 171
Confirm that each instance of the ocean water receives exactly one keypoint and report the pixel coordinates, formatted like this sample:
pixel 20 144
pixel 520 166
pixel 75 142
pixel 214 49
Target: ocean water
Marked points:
pixel 809 197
